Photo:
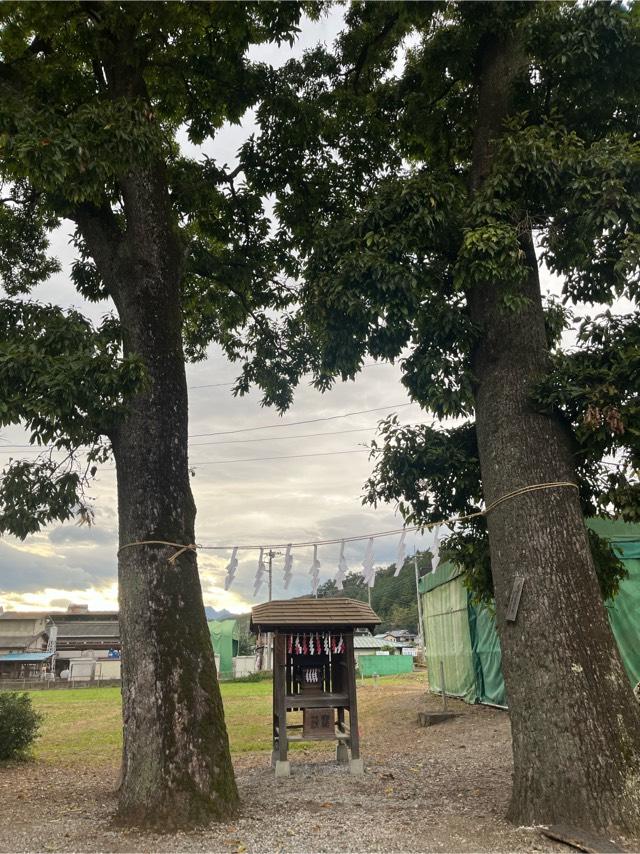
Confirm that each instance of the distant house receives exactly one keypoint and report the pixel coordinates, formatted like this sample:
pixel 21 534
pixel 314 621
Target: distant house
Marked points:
pixel 391 646
pixel 23 632
pixel 367 644
pixel 23 644
pixel 87 636
pixel 84 643
pixel 400 636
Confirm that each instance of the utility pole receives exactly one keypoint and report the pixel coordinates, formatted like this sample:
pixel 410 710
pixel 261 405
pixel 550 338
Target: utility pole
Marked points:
pixel 270 555
pixel 420 623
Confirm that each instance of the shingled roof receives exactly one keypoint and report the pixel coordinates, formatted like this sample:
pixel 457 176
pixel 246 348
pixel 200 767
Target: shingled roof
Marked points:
pixel 305 612
pixel 90 629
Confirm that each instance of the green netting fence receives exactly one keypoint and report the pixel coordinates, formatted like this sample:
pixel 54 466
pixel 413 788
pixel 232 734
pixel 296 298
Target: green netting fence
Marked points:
pixel 384 665
pixel 224 639
pixel 463 636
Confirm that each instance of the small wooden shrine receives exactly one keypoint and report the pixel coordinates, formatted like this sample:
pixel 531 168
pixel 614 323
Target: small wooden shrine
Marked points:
pixel 314 671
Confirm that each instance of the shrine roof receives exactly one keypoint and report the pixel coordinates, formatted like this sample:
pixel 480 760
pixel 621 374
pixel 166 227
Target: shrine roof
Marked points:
pixel 307 612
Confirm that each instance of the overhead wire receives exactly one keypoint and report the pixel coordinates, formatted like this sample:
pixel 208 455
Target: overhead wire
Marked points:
pixel 285 438
pixel 228 385
pixel 305 421
pixel 263 427
pixel 283 457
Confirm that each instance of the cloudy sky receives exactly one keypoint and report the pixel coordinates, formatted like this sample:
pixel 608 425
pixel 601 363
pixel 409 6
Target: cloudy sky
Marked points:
pixel 240 497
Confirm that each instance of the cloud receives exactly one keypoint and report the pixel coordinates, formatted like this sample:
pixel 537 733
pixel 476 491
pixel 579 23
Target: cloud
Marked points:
pixel 60 604
pixel 103 598
pixel 25 572
pixel 82 534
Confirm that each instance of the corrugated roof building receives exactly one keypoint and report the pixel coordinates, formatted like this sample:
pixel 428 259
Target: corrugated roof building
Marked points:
pixel 74 634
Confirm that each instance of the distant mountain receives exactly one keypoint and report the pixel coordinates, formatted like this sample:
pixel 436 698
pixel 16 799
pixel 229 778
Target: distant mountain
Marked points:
pixel 212 614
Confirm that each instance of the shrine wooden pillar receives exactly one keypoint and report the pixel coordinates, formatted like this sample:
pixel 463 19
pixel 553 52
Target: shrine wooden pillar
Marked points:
pixel 354 733
pixel 280 693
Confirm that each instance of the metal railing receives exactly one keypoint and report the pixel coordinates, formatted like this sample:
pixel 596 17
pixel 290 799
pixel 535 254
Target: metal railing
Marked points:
pixel 55 684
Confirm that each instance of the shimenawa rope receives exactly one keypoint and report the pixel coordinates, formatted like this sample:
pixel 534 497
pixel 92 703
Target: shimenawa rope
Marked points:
pixel 193 547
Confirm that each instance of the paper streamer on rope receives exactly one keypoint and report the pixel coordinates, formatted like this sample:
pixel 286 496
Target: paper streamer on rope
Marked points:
pixel 343 569
pixel 182 548
pixel 368 569
pixel 314 571
pixel 288 564
pixel 232 568
pixel 436 549
pixel 259 573
pixel 400 554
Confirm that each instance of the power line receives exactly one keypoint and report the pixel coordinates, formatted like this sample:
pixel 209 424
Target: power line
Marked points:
pixel 306 421
pixel 283 457
pixel 241 441
pixel 265 427
pixel 211 385
pixel 286 438
pixel 228 385
pixel 263 459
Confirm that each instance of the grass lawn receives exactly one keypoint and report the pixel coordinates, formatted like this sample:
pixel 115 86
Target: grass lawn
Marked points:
pixel 85 723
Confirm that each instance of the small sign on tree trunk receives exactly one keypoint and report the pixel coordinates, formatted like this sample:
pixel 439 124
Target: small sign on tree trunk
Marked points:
pixel 514 599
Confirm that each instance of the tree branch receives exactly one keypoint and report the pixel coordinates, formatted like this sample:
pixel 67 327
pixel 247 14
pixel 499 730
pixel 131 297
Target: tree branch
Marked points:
pixel 99 228
pixel 368 46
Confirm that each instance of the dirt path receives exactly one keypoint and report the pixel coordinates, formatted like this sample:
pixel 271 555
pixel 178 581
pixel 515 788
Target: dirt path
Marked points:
pixel 444 788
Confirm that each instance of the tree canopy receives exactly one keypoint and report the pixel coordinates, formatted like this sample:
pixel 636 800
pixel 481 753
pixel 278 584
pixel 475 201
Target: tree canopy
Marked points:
pixel 368 151
pixel 90 94
pixel 364 149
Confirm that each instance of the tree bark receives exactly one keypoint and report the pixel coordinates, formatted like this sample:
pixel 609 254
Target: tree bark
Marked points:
pixel 177 769
pixel 575 725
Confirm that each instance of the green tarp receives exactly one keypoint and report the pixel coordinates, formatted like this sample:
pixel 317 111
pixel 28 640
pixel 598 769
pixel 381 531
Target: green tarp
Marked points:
pixel 624 610
pixel 224 639
pixel 447 638
pixel 487 656
pixel 463 636
pixel 384 665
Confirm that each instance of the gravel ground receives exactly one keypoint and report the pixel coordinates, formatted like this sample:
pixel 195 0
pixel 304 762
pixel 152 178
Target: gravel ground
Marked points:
pixel 443 788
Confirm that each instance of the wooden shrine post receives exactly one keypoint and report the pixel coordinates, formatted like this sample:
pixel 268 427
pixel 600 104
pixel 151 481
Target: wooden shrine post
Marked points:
pixel 353 706
pixel 280 693
pixel 314 673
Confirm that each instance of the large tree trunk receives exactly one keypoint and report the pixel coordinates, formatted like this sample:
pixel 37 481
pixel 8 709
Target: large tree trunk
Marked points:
pixel 575 725
pixel 176 763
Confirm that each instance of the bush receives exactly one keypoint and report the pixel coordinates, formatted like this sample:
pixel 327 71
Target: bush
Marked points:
pixel 19 724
